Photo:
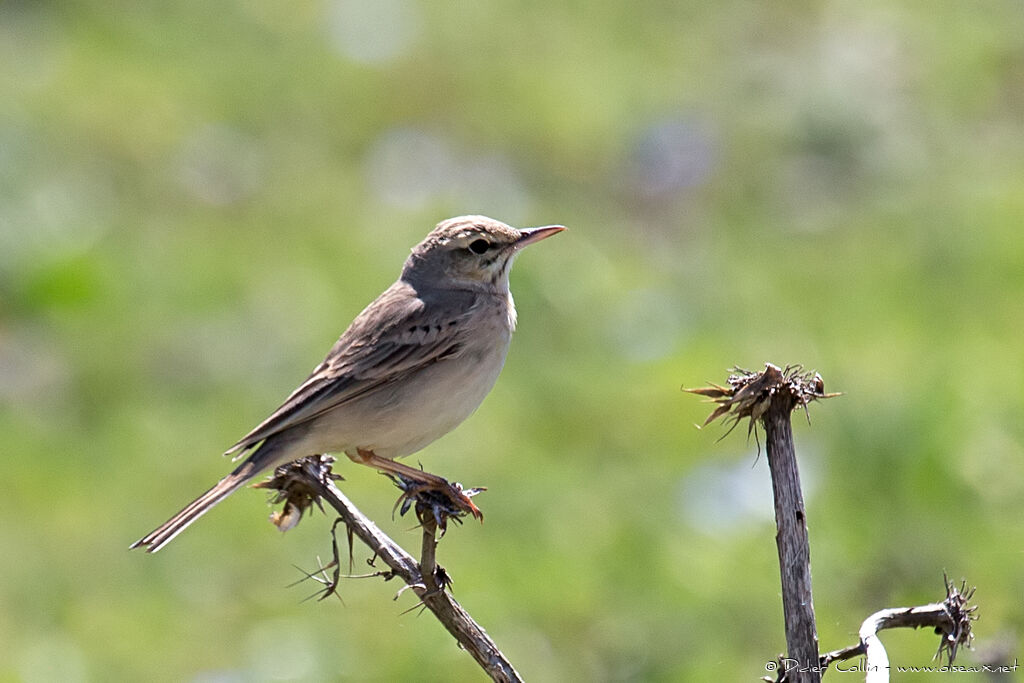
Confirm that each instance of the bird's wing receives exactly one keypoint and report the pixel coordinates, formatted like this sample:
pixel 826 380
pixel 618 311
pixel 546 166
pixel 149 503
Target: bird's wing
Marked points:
pixel 394 337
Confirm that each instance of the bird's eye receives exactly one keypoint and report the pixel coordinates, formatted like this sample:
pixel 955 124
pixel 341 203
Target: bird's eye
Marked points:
pixel 479 246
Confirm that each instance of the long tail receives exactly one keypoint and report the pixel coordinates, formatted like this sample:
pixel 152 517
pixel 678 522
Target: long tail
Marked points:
pixel 253 465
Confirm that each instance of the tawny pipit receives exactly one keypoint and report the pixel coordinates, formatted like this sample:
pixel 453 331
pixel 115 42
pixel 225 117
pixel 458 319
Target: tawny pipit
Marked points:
pixel 409 369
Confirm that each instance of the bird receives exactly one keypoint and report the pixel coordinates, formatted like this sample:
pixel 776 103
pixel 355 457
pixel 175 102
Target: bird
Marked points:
pixel 412 366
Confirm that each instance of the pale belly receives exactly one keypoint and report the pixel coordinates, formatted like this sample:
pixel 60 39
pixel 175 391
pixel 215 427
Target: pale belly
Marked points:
pixel 402 418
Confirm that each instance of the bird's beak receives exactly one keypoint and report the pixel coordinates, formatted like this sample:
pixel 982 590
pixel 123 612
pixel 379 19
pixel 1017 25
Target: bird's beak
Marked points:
pixel 528 236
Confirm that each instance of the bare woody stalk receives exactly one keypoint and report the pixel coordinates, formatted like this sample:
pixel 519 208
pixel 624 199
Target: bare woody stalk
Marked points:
pixel 310 480
pixel 791 539
pixel 950 618
pixel 770 397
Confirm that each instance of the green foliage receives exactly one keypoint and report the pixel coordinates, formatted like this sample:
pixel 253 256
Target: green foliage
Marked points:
pixel 195 198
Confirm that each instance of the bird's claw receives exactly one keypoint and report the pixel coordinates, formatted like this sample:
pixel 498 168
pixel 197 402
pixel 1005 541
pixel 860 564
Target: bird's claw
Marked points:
pixel 437 502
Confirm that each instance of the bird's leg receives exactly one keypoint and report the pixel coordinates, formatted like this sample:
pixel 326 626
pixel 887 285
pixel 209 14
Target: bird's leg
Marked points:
pixel 421 481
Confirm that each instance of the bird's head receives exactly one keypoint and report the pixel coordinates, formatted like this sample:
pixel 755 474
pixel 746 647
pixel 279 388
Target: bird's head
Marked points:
pixel 470 252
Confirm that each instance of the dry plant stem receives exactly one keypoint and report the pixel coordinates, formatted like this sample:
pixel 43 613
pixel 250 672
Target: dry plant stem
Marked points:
pixel 791 539
pixel 769 397
pixel 876 660
pixel 951 619
pixel 450 613
pixel 428 555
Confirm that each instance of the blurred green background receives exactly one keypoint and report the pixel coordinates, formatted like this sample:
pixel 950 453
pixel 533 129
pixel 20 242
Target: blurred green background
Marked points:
pixel 196 198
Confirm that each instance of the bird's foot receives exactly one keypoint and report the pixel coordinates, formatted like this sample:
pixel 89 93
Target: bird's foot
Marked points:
pixel 439 501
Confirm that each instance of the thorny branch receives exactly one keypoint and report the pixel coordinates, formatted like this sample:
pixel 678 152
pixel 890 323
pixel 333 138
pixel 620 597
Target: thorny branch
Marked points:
pixel 302 483
pixel 951 619
pixel 750 394
pixel 769 397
